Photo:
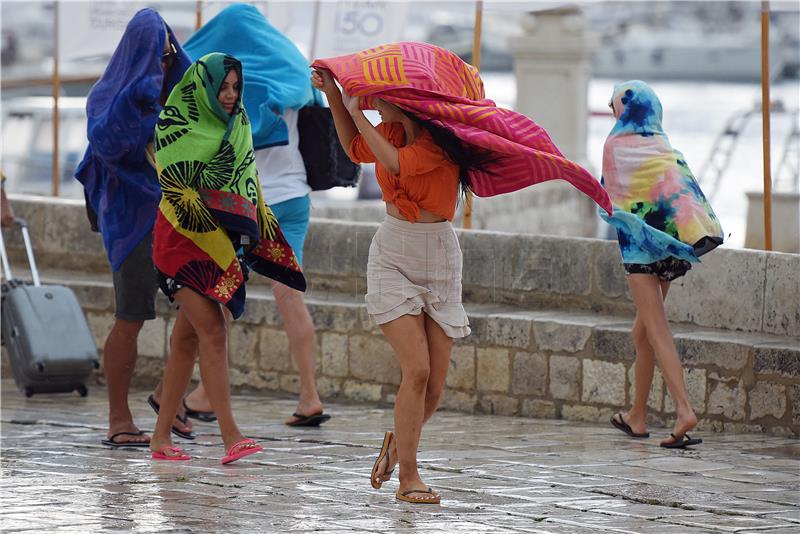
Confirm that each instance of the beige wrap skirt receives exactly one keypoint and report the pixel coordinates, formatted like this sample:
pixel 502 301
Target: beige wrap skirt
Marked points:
pixel 415 268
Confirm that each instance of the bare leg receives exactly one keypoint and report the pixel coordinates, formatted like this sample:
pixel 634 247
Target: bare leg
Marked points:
pixel 439 349
pixel 177 373
pixel 643 373
pixel 198 399
pixel 408 338
pixel 181 414
pixel 119 360
pixel 300 330
pixel 646 293
pixel 302 343
pixel 207 320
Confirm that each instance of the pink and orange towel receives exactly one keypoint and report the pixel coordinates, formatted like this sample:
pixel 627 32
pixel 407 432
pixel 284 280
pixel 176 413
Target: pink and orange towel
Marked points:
pixel 437 85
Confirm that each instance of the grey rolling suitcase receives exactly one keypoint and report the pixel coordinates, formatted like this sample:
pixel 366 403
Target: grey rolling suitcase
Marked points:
pixel 45 332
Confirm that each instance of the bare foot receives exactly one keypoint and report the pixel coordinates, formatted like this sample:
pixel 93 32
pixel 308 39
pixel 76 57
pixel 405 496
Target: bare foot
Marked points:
pixel 232 439
pixel 180 422
pixel 197 402
pixel 419 492
pixel 306 409
pixel 391 461
pixel 637 422
pixel 126 432
pixel 383 472
pixel 239 449
pixel 164 446
pixel 683 424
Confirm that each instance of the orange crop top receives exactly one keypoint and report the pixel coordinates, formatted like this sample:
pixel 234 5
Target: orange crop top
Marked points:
pixel 428 179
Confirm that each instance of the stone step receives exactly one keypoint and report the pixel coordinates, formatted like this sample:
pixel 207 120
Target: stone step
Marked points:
pixel 747 290
pixel 575 364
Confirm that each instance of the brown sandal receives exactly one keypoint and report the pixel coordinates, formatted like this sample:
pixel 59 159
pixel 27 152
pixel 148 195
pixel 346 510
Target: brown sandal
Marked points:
pixel 433 499
pixel 375 479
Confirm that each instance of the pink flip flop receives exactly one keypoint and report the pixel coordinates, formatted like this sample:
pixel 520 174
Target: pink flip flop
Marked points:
pixel 159 454
pixel 237 451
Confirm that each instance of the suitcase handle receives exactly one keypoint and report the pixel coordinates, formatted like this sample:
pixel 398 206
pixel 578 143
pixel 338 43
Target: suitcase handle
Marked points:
pixel 4 257
pixel 26 238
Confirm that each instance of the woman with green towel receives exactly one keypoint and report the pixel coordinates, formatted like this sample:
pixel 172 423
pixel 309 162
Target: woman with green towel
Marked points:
pixel 211 230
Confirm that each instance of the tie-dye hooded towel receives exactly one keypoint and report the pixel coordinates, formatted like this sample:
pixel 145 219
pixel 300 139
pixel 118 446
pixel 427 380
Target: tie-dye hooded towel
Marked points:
pixel 659 209
pixel 122 108
pixel 437 85
pixel 211 210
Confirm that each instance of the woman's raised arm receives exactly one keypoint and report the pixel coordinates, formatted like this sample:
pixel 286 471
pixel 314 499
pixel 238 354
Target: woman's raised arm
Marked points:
pixel 345 127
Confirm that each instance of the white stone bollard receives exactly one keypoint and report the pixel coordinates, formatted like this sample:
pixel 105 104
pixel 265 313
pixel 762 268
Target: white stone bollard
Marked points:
pixel 552 64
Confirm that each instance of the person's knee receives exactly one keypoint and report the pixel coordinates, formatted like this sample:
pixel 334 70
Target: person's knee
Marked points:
pixel 301 332
pixel 433 394
pixel 214 338
pixel 126 327
pixel 285 294
pixel 417 377
pixel 639 332
pixel 184 341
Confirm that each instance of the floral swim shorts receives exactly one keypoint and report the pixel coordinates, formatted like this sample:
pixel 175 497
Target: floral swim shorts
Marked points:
pixel 666 270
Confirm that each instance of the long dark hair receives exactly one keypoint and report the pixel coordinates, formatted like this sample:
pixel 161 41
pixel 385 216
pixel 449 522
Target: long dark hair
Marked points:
pixel 467 157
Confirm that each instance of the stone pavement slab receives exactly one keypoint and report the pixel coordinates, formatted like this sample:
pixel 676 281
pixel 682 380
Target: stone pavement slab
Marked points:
pixel 496 474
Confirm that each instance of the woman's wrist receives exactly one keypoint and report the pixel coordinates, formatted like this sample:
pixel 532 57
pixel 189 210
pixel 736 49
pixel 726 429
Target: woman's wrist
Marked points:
pixel 358 116
pixel 333 94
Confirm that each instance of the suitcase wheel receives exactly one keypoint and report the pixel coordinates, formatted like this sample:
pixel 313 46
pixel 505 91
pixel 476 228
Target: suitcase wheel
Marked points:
pixel 28 392
pixel 82 391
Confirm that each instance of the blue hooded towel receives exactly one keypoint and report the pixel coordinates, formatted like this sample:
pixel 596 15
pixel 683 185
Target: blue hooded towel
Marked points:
pixel 276 73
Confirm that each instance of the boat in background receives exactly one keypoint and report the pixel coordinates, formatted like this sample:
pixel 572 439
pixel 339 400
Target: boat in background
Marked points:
pixel 644 52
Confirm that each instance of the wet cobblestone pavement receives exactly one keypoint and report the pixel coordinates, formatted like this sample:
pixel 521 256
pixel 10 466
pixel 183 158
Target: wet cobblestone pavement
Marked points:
pixel 495 474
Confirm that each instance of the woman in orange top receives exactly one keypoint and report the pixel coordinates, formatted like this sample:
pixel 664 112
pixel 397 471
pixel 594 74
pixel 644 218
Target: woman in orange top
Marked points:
pixel 414 266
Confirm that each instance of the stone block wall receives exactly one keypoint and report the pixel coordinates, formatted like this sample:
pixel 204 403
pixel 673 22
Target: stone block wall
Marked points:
pixel 576 366
pixel 551 323
pixel 737 290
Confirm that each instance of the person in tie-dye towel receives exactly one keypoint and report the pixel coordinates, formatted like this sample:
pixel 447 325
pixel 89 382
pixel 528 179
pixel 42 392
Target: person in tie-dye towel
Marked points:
pixel 438 133
pixel 664 224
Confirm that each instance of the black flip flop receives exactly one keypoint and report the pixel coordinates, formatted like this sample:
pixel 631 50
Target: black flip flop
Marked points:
pixel 681 442
pixel 205 417
pixel 315 419
pixel 175 430
pixel 109 442
pixel 625 427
